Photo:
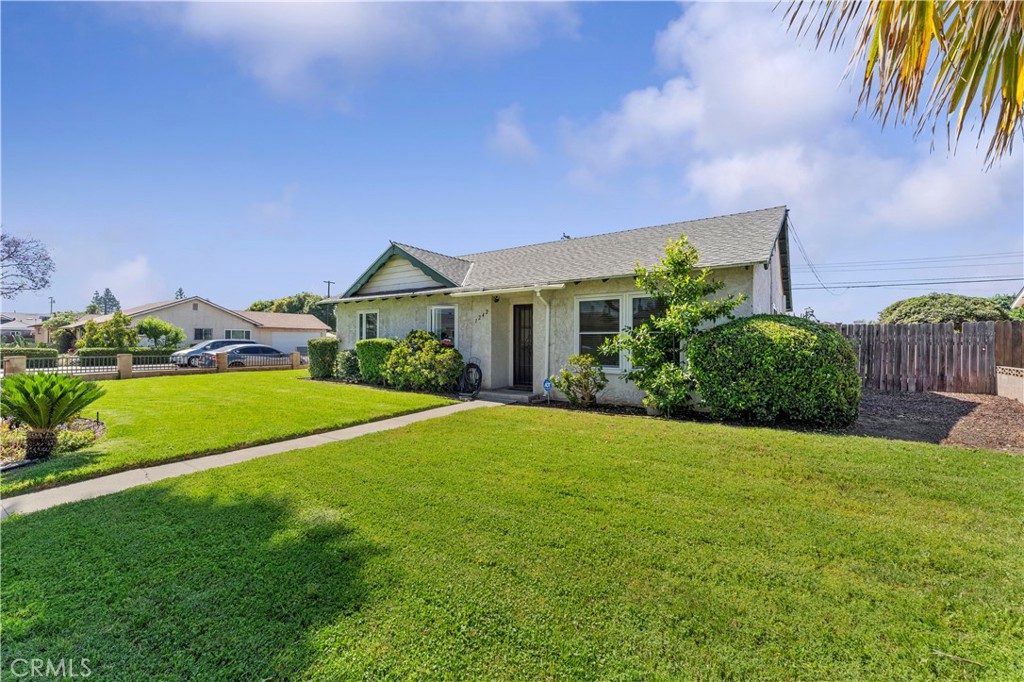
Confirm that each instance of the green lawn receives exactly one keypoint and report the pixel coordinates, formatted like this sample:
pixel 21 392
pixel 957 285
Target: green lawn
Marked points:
pixel 522 543
pixel 177 417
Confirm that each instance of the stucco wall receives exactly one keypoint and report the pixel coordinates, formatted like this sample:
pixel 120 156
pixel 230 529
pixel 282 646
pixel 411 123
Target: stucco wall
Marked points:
pixel 485 325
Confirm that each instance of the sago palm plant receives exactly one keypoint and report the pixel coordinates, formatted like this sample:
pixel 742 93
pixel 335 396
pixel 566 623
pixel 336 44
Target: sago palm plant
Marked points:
pixel 43 402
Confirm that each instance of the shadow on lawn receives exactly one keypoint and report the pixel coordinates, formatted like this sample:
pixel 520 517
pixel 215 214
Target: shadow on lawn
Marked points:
pixel 149 584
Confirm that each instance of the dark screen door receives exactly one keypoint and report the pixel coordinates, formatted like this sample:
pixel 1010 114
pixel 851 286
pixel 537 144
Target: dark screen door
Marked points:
pixel 522 347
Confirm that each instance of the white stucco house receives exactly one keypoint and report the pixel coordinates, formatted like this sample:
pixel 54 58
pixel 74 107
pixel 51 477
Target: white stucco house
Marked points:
pixel 521 312
pixel 203 320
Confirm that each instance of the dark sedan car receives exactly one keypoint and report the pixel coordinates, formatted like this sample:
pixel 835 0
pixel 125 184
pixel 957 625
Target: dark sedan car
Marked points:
pixel 190 356
pixel 247 355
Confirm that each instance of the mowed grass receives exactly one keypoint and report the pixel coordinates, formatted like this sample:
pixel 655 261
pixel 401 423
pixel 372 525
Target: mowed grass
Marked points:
pixel 521 543
pixel 177 417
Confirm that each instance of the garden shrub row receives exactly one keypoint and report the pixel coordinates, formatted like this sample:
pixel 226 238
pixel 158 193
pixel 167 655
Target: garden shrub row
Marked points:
pixel 422 363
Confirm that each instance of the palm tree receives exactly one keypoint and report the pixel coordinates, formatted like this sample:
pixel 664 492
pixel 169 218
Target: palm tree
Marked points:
pixel 974 52
pixel 42 402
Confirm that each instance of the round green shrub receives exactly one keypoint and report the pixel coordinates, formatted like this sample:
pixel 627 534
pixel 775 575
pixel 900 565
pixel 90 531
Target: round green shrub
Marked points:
pixel 323 354
pixel 422 363
pixel 347 367
pixel 941 308
pixel 770 368
pixel 372 354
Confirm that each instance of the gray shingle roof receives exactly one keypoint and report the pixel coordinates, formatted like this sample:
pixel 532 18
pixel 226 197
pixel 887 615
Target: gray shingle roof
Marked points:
pixel 735 239
pixel 453 268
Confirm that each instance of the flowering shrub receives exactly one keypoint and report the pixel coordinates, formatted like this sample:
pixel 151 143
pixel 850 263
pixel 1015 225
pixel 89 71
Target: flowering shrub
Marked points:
pixel 422 363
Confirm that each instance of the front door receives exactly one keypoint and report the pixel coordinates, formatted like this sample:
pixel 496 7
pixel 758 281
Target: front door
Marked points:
pixel 522 347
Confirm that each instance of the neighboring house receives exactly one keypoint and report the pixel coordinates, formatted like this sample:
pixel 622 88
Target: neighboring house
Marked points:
pixel 521 312
pixel 202 319
pixel 25 325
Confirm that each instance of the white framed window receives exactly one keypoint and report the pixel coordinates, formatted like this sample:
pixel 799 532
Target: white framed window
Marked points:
pixel 202 334
pixel 444 321
pixel 368 324
pixel 642 309
pixel 240 334
pixel 599 318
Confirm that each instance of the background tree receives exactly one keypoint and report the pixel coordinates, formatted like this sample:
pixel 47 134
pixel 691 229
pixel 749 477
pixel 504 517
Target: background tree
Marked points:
pixel 179 294
pixel 653 348
pixel 162 334
pixel 1005 301
pixel 63 339
pixel 106 302
pixel 117 332
pixel 304 302
pixel 942 308
pixel 92 309
pixel 25 265
pixel 972 51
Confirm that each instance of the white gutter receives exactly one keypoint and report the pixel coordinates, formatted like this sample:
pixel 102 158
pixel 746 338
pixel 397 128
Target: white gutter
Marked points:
pixel 515 290
pixel 547 334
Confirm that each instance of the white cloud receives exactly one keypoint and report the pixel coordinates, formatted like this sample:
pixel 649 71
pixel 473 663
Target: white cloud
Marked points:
pixel 510 137
pixel 277 211
pixel 133 281
pixel 291 46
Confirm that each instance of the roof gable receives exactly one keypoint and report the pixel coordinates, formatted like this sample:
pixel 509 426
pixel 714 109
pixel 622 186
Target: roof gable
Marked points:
pixel 407 268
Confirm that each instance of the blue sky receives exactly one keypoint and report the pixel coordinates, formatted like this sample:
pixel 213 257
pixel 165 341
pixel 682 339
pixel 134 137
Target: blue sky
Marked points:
pixel 246 151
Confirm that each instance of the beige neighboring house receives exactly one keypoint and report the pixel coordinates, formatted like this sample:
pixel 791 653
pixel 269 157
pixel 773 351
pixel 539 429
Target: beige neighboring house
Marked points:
pixel 203 320
pixel 521 312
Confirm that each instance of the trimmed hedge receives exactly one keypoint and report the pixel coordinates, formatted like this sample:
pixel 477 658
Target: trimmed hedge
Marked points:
pixel 421 363
pixel 372 354
pixel 11 351
pixel 768 368
pixel 323 354
pixel 105 357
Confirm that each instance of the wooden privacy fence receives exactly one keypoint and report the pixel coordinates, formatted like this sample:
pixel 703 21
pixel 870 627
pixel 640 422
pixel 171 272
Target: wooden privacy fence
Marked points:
pixel 932 357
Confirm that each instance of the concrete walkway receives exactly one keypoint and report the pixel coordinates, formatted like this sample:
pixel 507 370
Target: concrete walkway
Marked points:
pixel 105 485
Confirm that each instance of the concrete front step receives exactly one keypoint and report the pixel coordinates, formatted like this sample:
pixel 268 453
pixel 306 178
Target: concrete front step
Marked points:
pixel 508 396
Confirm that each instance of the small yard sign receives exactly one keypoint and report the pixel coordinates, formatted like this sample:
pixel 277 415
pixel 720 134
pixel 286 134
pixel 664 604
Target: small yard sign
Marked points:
pixel 547 385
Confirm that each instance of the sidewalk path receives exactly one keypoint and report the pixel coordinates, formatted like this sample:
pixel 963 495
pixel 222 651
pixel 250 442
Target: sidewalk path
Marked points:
pixel 105 485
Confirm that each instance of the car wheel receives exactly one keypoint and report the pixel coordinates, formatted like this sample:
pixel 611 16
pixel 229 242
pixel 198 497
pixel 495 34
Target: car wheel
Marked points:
pixel 193 361
pixel 237 363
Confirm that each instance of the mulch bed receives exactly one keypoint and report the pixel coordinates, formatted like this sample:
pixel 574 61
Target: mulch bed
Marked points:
pixel 964 420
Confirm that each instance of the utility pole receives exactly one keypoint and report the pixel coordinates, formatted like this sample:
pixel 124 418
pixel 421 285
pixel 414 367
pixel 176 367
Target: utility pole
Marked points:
pixel 52 299
pixel 328 282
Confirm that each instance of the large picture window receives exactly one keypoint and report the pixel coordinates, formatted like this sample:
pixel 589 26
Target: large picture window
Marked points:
pixel 368 325
pixel 443 322
pixel 238 334
pixel 644 308
pixel 599 320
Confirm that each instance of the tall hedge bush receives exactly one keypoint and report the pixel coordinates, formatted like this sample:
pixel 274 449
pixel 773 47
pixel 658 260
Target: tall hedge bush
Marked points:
pixel 770 368
pixel 10 351
pixel 323 354
pixel 942 308
pixel 372 354
pixel 421 363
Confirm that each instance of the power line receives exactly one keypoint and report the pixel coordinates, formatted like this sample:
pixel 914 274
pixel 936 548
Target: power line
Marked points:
pixel 903 283
pixel 900 268
pixel 893 261
pixel 807 260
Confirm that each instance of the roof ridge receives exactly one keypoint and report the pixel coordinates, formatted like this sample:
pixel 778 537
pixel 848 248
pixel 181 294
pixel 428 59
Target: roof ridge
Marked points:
pixel 632 229
pixel 436 253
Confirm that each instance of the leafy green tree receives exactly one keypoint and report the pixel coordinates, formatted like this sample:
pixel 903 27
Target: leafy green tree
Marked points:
pixel 304 302
pixel 179 294
pixel 653 348
pixel 970 50
pixel 61 319
pixel 162 334
pixel 1005 301
pixel 92 309
pixel 941 308
pixel 117 332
